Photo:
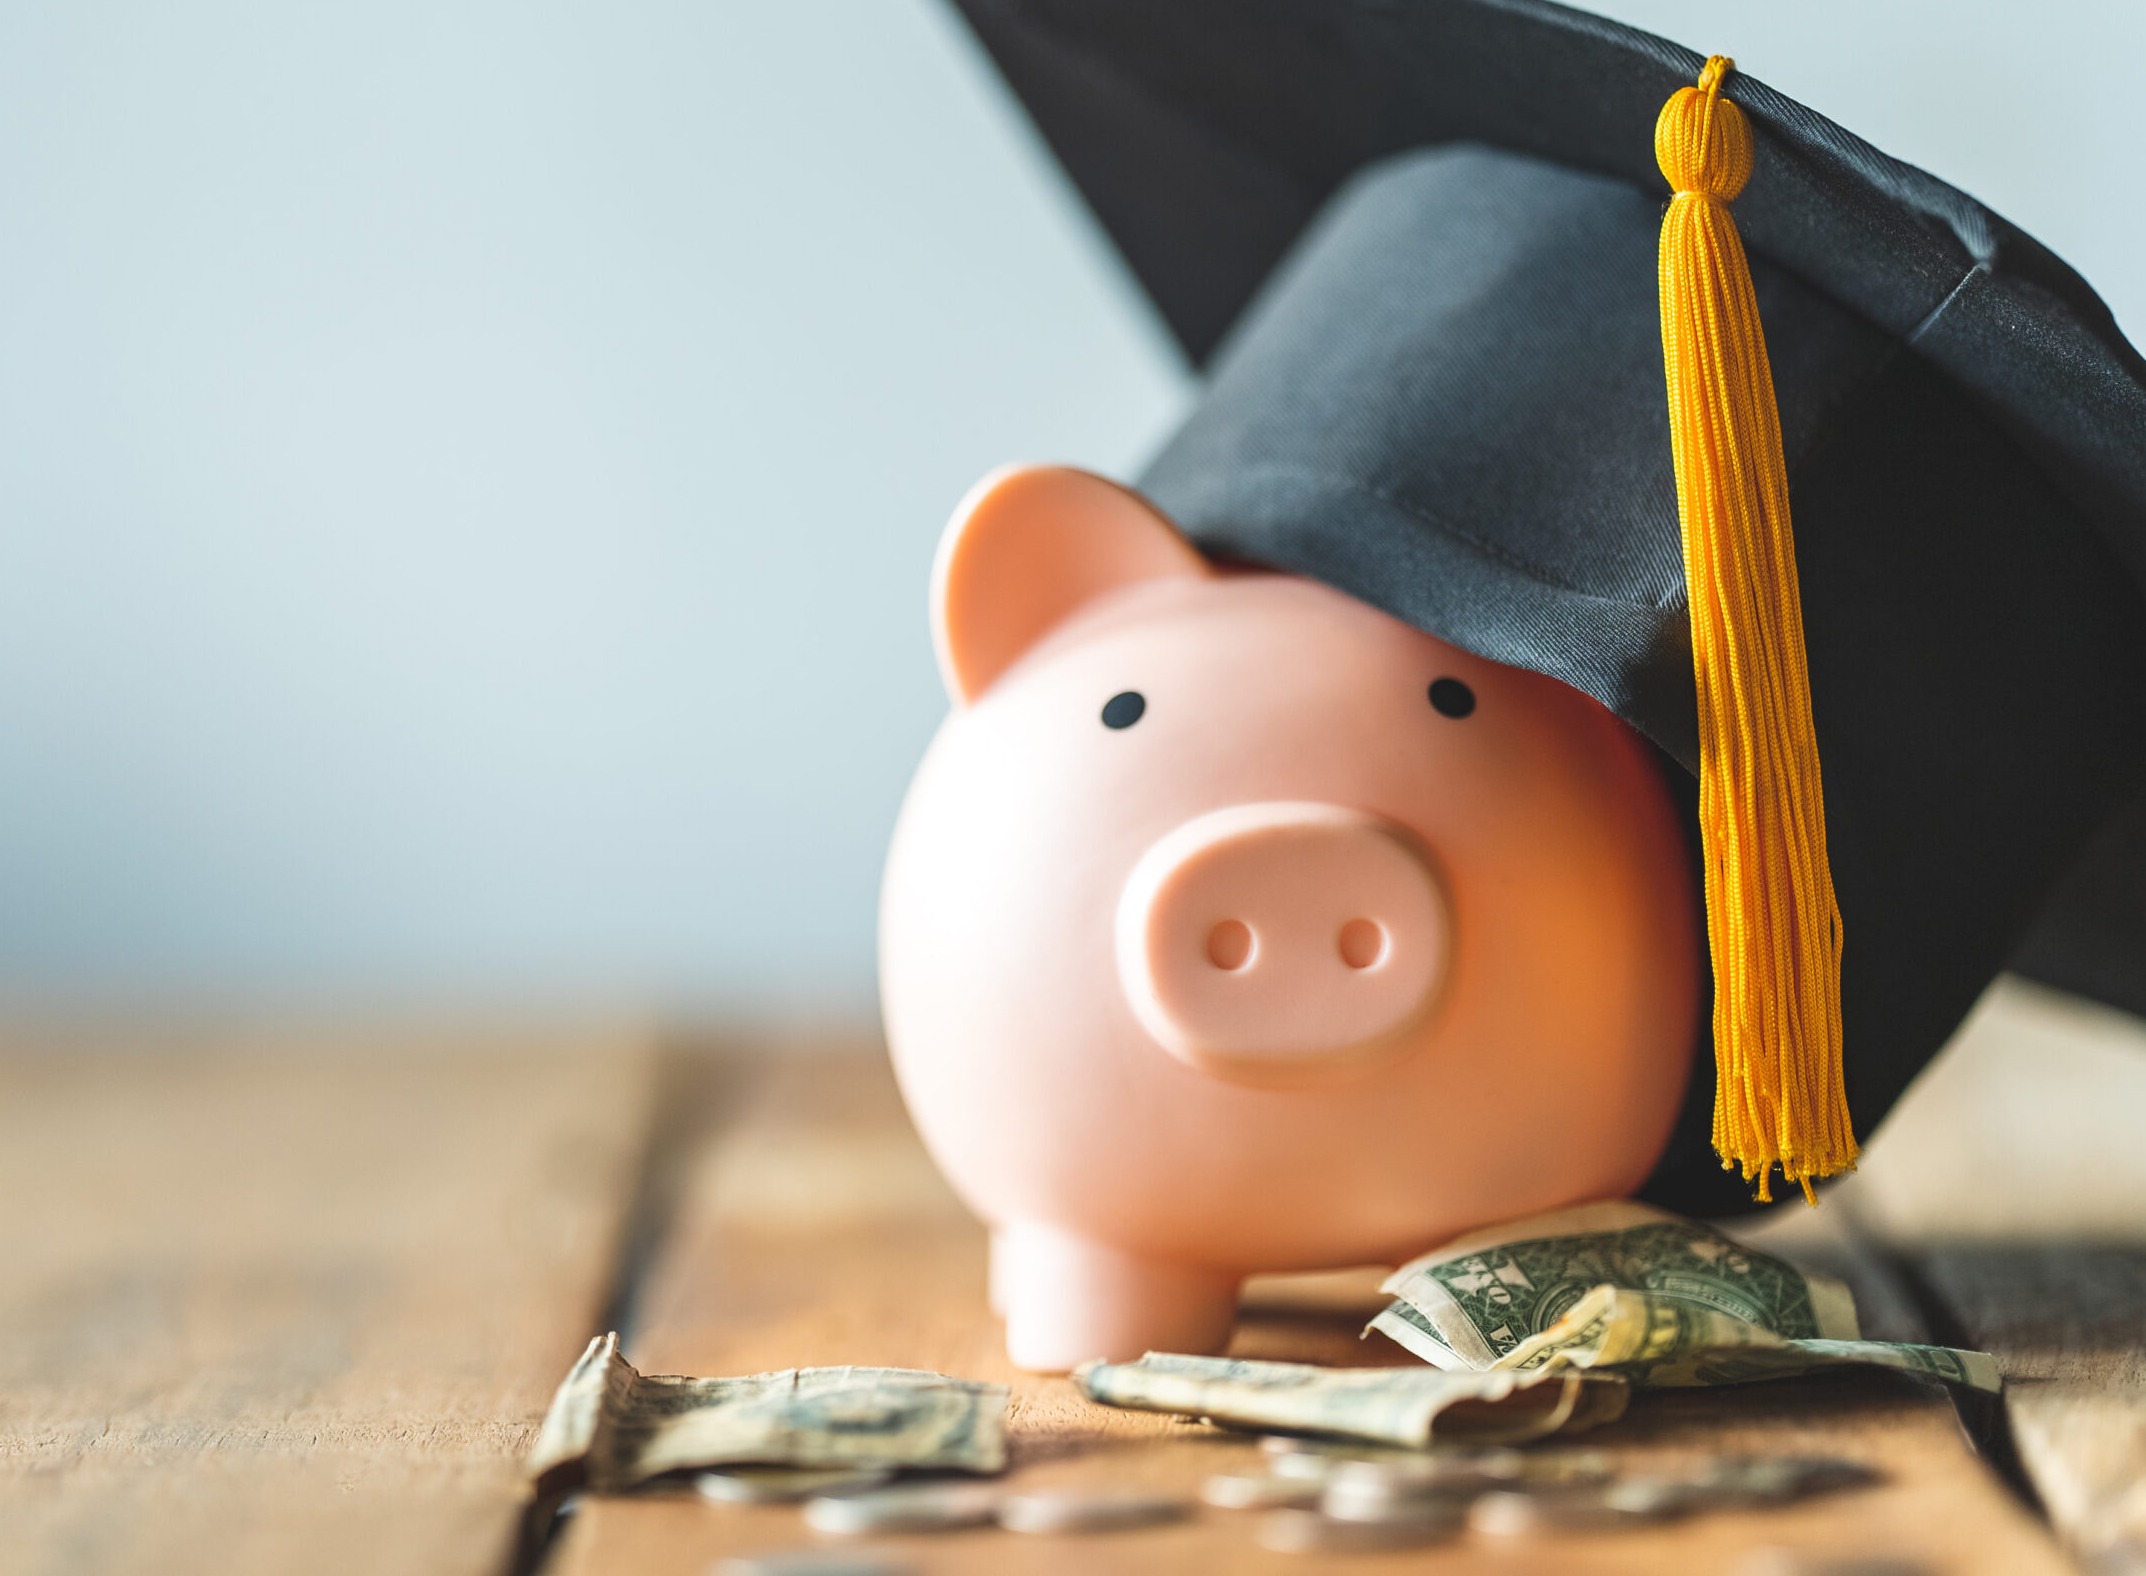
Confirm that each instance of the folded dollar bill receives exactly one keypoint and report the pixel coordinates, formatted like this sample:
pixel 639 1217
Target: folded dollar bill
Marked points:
pixel 1621 1287
pixel 1654 1340
pixel 1387 1406
pixel 611 1427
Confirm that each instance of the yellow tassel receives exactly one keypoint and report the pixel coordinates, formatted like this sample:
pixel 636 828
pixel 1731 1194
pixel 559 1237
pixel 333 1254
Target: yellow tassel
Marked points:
pixel 1773 926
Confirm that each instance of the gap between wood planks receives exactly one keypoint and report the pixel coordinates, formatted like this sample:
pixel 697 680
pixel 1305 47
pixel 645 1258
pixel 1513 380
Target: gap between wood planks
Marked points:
pixel 1985 1419
pixel 697 1084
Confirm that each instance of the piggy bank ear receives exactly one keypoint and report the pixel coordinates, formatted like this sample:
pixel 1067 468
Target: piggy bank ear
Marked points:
pixel 1029 545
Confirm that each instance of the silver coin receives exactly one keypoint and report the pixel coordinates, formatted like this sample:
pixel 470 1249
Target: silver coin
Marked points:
pixel 1355 1495
pixel 1794 1562
pixel 1308 1532
pixel 1258 1491
pixel 1365 1499
pixel 1510 1513
pixel 1078 1510
pixel 1653 1498
pixel 1304 1466
pixel 911 1507
pixel 773 1485
pixel 811 1562
pixel 1349 1449
pixel 1573 1467
pixel 1774 1479
pixel 1318 1458
pixel 1425 1477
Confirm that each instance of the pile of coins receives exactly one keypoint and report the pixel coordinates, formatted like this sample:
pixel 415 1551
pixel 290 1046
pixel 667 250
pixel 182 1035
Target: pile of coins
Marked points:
pixel 1311 1497
pixel 862 1504
pixel 1320 1498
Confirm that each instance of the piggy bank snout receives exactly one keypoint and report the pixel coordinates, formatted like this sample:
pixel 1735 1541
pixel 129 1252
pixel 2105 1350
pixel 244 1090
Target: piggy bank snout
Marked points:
pixel 1282 943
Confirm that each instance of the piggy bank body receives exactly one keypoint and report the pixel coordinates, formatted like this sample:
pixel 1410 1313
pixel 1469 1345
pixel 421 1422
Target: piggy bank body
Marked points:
pixel 1234 926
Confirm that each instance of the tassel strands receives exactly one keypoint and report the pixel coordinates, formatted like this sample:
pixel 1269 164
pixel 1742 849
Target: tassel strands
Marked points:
pixel 1773 924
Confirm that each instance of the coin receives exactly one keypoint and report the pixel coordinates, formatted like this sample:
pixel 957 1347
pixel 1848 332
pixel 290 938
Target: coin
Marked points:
pixel 1367 1499
pixel 1510 1513
pixel 1793 1562
pixel 1349 1449
pixel 771 1485
pixel 1424 1477
pixel 1077 1510
pixel 1369 1495
pixel 1308 1532
pixel 1258 1491
pixel 1561 1466
pixel 1654 1498
pixel 1772 1479
pixel 1304 1466
pixel 912 1507
pixel 1315 1459
pixel 811 1562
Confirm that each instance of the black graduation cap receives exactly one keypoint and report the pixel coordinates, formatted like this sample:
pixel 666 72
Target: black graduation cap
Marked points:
pixel 1420 249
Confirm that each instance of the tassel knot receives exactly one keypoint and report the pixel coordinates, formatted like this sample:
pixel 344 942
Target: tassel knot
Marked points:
pixel 1702 141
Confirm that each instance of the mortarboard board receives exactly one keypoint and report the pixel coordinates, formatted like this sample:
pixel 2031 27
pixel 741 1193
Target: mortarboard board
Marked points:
pixel 1421 252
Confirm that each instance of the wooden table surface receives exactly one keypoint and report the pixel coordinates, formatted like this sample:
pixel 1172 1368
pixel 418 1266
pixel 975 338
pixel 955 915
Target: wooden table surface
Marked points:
pixel 284 1302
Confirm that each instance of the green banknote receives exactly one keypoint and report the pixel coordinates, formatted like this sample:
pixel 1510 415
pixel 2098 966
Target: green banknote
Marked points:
pixel 611 1427
pixel 1407 1407
pixel 1656 1341
pixel 1620 1287
pixel 1478 1298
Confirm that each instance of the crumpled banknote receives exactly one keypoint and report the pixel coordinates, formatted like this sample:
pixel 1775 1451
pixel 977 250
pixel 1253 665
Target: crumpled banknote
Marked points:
pixel 1621 1287
pixel 1406 1407
pixel 611 1427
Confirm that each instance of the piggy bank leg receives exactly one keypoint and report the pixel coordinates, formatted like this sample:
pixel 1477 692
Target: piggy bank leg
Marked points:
pixel 1066 1299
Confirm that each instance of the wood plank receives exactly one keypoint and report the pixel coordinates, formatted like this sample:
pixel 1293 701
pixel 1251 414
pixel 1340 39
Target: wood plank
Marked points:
pixel 818 1232
pixel 2067 1321
pixel 2013 1188
pixel 294 1303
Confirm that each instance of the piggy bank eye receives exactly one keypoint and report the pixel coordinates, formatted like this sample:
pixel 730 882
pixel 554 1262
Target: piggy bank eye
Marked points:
pixel 1124 709
pixel 1450 698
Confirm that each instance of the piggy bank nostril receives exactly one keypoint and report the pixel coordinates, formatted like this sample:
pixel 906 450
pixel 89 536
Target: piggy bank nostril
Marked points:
pixel 1363 943
pixel 1229 945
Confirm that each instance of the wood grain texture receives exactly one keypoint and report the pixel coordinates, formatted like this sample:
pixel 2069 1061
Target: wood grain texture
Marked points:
pixel 2012 1189
pixel 2067 1322
pixel 297 1305
pixel 816 1231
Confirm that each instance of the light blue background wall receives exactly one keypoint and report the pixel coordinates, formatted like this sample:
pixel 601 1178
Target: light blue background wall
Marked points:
pixel 468 471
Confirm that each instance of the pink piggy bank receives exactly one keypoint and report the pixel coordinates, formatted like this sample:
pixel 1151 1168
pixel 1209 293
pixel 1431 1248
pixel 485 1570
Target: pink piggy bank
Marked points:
pixel 1232 925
